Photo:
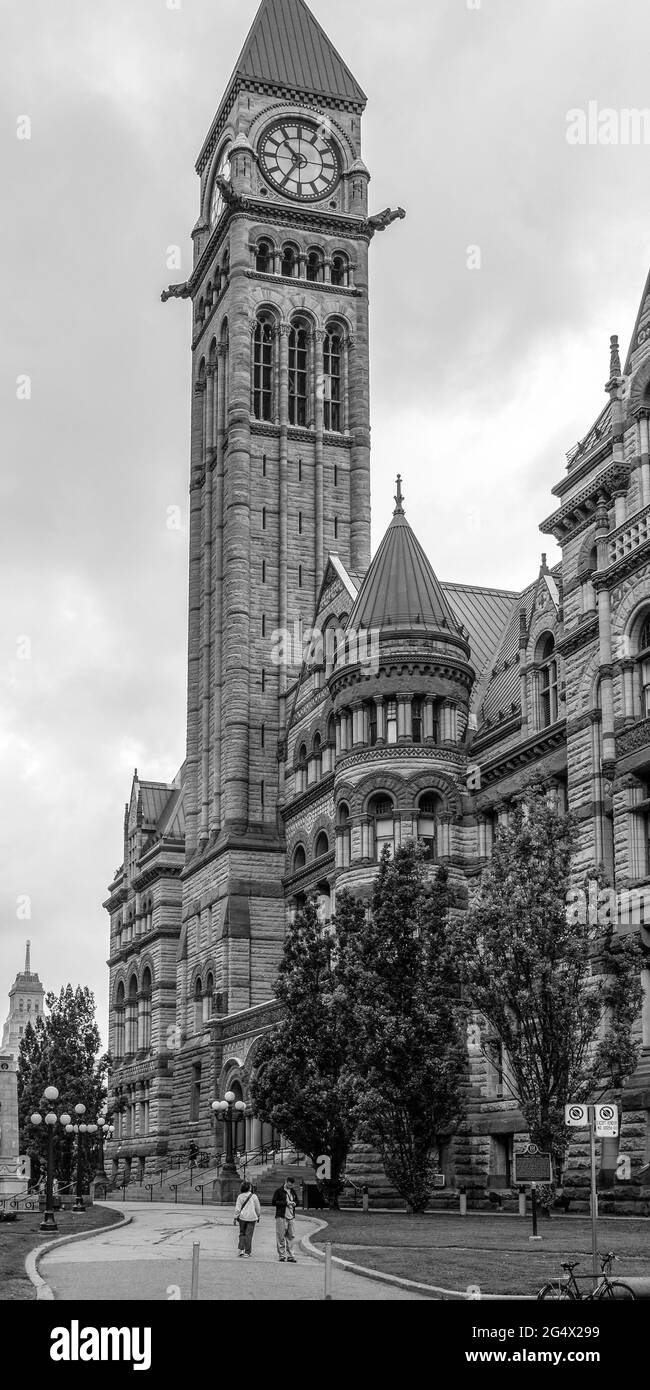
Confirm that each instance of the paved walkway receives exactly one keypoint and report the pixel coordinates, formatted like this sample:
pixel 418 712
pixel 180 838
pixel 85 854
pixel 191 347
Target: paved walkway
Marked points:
pixel 151 1260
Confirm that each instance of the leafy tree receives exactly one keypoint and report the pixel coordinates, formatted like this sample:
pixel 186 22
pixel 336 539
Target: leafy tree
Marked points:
pixel 560 991
pixel 61 1049
pixel 299 1084
pixel 399 991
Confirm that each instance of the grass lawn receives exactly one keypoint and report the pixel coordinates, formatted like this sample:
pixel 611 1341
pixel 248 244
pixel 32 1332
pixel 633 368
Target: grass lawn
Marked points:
pixel 492 1251
pixel 18 1237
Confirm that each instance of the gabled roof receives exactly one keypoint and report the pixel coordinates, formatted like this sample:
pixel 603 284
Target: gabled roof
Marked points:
pixel 400 590
pixel 286 47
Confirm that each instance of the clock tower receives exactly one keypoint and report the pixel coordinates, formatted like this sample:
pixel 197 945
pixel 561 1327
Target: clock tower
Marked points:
pixel 280 462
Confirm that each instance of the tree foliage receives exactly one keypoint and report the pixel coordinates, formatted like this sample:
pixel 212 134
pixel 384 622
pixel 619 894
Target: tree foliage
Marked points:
pixel 399 994
pixel 300 1083
pixel 561 991
pixel 62 1049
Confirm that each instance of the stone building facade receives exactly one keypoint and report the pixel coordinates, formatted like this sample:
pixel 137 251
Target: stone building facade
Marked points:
pixel 336 704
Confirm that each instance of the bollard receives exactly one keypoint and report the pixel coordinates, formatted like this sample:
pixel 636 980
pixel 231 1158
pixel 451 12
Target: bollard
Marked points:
pixel 365 1199
pixel 533 1203
pixel 474 1292
pixel 522 1201
pixel 196 1251
pixel 463 1202
pixel 328 1272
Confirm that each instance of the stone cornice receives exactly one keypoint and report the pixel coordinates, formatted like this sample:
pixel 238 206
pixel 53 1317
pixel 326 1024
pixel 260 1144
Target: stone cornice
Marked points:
pixel 633 738
pixel 243 1024
pixel 315 870
pixel 340 441
pixel 397 752
pixel 595 456
pixel 402 664
pixel 505 729
pixel 301 803
pixel 523 754
pixel 566 523
pixel 289 281
pixel 621 568
pixel 577 637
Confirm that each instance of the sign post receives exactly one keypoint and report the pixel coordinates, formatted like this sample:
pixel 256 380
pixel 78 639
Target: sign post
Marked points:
pixel 602 1122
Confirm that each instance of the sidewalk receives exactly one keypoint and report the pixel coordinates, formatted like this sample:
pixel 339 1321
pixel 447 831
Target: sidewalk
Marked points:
pixel 151 1260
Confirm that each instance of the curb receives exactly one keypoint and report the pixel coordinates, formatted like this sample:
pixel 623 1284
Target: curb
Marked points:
pixel 429 1290
pixel 43 1291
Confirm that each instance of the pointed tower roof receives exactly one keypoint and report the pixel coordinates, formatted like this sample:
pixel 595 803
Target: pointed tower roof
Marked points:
pixel 286 47
pixel 400 591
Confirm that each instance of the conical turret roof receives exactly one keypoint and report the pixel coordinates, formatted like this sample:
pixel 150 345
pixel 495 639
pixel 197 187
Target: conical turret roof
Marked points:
pixel 401 591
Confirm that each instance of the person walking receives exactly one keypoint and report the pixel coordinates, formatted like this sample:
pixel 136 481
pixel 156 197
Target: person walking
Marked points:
pixel 285 1201
pixel 247 1215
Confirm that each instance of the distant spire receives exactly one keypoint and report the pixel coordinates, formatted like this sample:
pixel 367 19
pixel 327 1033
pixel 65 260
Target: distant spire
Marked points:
pixel 399 498
pixel 28 962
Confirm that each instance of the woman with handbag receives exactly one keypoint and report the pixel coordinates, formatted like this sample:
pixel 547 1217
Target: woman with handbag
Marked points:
pixel 247 1215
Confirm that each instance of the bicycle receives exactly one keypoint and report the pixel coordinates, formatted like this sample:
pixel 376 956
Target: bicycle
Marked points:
pixel 568 1288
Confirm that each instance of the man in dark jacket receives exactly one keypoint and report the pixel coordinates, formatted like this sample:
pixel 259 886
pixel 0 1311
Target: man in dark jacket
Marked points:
pixel 285 1201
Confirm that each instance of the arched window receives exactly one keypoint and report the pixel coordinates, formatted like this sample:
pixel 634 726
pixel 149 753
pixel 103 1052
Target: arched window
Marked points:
pixel 298 374
pixel 382 813
pixel 315 265
pixel 317 756
pixel 343 836
pixel 264 258
pixel 322 846
pixel 132 1017
pixel 263 339
pixel 145 1011
pixel 289 261
pixel 332 355
pixel 198 1005
pixel 208 998
pixel 200 313
pixel 302 769
pixel 391 721
pixel 644 666
pixel 428 812
pixel 340 270
pixel 120 1021
pixel 548 703
pixel 417 716
pixel 299 859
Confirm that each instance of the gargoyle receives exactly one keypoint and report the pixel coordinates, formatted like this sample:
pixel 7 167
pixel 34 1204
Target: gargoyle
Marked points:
pixel 176 292
pixel 382 220
pixel 225 188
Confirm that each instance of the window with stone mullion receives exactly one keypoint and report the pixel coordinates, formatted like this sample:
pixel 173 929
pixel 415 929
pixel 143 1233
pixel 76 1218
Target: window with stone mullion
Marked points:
pixel 332 368
pixel 263 372
pixel 298 376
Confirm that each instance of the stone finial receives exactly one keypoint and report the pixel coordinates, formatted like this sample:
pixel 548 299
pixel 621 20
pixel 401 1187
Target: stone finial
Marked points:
pixel 399 498
pixel 523 629
pixel 28 963
pixel 544 564
pixel 614 357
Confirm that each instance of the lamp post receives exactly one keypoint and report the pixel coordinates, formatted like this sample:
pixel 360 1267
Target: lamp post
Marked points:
pixel 106 1133
pixel 51 1119
pixel 79 1129
pixel 229 1111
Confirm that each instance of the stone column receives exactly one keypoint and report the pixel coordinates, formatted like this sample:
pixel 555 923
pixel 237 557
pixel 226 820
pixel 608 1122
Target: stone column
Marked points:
pixel 482 837
pixel 644 433
pixel 429 720
pixel 619 505
pixel 380 704
pixel 218 533
pixel 338 735
pixel 405 719
pixel 605 638
pixel 318 339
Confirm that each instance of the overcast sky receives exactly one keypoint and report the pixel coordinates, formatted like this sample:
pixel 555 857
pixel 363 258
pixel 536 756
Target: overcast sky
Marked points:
pixel 482 380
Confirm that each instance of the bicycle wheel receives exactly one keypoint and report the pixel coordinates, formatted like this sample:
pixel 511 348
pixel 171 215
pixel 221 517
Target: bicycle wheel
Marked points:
pixel 615 1288
pixel 556 1290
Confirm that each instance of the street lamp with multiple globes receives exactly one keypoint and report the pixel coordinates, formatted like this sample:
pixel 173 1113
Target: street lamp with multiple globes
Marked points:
pixel 106 1132
pixel 80 1129
pixel 229 1110
pixel 51 1119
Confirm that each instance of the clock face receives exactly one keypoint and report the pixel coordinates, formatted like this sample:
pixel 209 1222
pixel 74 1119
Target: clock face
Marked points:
pixel 300 160
pixel 217 205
